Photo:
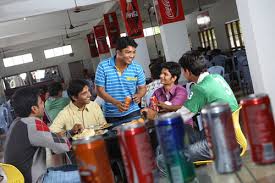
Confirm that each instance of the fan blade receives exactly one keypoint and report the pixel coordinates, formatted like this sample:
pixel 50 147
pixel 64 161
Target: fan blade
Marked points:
pixel 80 25
pixel 72 27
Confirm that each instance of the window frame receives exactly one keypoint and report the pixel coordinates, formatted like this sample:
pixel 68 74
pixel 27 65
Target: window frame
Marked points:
pixel 230 33
pixel 207 38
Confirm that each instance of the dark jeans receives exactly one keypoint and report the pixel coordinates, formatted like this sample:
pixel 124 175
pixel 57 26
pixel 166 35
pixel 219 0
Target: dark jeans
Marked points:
pixel 123 119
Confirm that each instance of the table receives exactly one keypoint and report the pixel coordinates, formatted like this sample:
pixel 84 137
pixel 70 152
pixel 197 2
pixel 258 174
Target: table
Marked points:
pixel 249 173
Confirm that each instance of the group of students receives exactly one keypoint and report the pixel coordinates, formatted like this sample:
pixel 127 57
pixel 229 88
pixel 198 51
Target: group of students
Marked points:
pixel 116 78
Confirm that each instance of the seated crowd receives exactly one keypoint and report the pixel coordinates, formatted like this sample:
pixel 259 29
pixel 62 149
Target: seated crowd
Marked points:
pixel 116 78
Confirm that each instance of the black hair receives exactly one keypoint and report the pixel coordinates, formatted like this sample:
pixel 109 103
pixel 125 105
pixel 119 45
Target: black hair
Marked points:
pixel 155 69
pixel 173 68
pixel 194 61
pixel 124 42
pixel 75 87
pixel 23 100
pixel 54 88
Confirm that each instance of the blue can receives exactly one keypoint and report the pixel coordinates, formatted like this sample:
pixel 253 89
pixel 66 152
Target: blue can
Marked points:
pixel 170 133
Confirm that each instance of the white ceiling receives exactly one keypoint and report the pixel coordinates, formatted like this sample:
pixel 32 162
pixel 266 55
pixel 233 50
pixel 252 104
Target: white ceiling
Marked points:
pixel 46 19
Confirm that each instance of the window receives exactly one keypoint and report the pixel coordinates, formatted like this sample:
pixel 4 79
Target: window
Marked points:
pixel 234 34
pixel 16 81
pixel 59 51
pixel 208 38
pixel 45 74
pixel 17 60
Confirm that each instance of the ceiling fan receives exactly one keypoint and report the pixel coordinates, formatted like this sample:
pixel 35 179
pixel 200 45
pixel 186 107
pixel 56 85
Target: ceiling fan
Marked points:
pixel 78 9
pixel 70 36
pixel 70 21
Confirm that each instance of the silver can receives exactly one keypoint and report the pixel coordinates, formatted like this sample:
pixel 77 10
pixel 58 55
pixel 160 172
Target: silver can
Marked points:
pixel 220 134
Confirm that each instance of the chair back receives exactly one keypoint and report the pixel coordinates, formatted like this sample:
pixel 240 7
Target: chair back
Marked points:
pixel 216 70
pixel 238 133
pixel 12 173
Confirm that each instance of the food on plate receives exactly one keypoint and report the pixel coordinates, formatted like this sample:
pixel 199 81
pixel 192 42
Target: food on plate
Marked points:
pixel 85 133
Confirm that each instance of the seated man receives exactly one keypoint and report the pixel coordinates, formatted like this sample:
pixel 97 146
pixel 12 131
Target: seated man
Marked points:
pixel 155 69
pixel 80 110
pixel 171 96
pixel 28 138
pixel 208 88
pixel 55 103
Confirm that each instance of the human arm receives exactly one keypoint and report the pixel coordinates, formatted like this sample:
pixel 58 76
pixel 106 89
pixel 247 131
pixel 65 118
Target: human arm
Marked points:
pixel 141 86
pixel 140 93
pixel 100 84
pixel 168 108
pixel 41 136
pixel 108 98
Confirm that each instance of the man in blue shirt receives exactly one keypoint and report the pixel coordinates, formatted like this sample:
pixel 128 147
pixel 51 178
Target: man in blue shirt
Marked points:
pixel 119 77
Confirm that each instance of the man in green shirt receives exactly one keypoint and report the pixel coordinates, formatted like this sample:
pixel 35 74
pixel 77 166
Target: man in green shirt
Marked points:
pixel 55 103
pixel 208 88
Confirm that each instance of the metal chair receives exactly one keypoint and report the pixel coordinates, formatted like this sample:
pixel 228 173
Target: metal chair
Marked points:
pixel 216 70
pixel 239 136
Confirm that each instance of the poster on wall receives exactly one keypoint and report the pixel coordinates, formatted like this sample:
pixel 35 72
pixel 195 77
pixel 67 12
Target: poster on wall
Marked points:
pixel 100 37
pixel 132 18
pixel 92 45
pixel 169 11
pixel 112 27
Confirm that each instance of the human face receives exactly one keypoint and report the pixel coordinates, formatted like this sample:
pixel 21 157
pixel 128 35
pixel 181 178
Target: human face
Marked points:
pixel 38 110
pixel 83 97
pixel 166 77
pixel 187 74
pixel 127 54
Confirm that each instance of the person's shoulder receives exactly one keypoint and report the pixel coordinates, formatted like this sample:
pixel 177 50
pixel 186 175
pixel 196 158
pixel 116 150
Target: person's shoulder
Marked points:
pixel 105 62
pixel 180 88
pixel 92 105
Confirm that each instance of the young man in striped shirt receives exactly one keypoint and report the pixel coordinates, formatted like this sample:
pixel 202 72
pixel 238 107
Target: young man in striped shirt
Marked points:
pixel 119 77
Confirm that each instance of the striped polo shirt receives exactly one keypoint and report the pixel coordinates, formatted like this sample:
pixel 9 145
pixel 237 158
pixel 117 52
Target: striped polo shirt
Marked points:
pixel 118 85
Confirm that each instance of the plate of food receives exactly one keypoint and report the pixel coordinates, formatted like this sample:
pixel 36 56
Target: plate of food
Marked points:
pixel 85 133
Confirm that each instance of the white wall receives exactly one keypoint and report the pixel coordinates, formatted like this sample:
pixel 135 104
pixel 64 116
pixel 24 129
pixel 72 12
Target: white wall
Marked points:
pixel 80 50
pixel 258 27
pixel 221 12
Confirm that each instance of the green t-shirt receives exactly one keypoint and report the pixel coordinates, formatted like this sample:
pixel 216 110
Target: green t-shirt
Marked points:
pixel 54 106
pixel 213 88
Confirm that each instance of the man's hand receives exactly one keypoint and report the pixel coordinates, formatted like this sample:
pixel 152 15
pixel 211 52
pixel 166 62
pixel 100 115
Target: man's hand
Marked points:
pixel 121 106
pixel 150 114
pixel 136 98
pixel 163 106
pixel 77 128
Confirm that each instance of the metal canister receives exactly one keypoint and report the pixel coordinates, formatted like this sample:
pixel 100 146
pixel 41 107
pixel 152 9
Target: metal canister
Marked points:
pixel 170 133
pixel 219 128
pixel 259 126
pixel 137 154
pixel 92 160
pixel 154 103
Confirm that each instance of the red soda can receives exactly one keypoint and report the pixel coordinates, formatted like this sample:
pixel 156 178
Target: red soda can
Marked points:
pixel 154 103
pixel 137 154
pixel 220 133
pixel 259 127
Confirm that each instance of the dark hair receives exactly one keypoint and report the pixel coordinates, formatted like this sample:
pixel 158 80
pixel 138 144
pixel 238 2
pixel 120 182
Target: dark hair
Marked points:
pixel 155 69
pixel 75 87
pixel 194 61
pixel 124 42
pixel 23 100
pixel 54 88
pixel 173 68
